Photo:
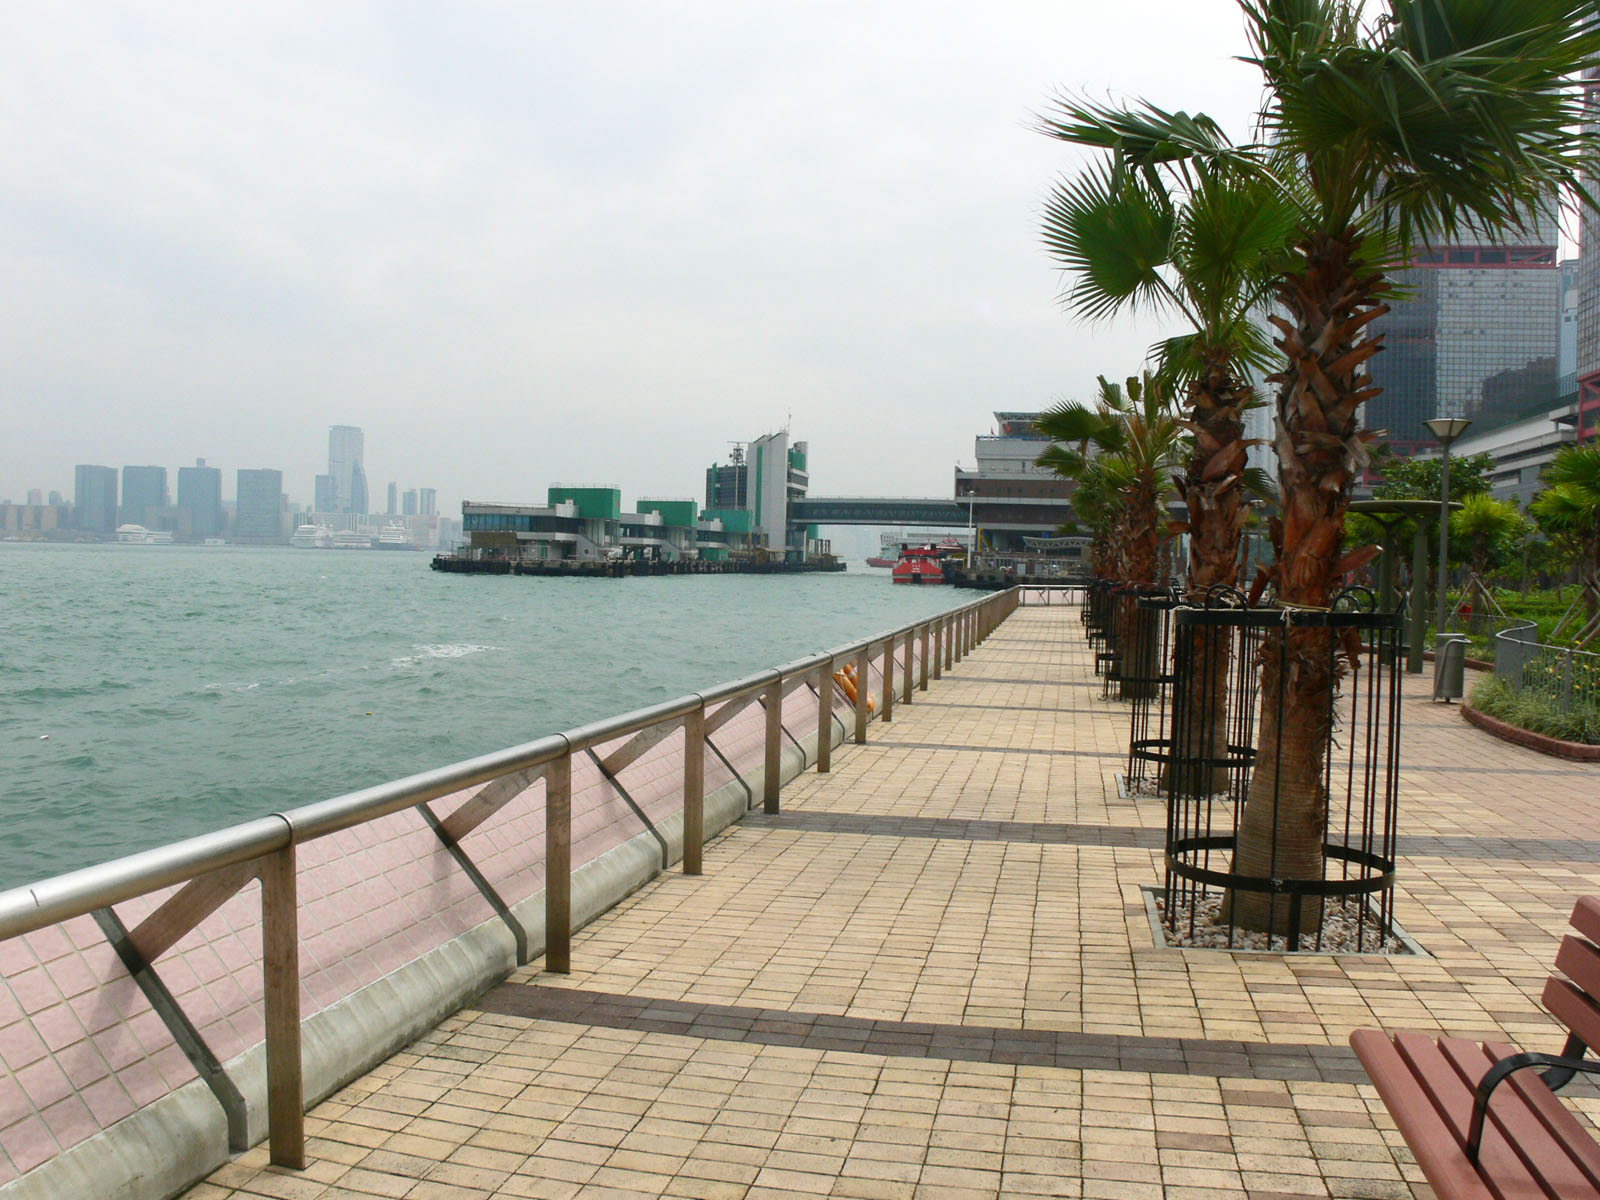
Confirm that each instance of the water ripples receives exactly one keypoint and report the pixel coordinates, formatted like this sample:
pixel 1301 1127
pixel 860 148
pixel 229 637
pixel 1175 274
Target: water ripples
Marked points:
pixel 179 689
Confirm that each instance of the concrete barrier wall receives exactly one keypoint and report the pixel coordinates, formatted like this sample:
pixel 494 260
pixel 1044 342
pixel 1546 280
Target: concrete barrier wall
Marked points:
pixel 97 1097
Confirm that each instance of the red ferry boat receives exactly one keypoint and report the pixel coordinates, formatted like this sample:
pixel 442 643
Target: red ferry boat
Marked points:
pixel 920 564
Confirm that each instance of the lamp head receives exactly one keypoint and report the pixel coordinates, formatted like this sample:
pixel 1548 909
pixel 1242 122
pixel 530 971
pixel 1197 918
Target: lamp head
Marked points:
pixel 1448 429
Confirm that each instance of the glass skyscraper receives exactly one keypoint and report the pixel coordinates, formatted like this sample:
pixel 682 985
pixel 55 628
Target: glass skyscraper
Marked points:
pixel 259 517
pixel 200 491
pixel 346 469
pixel 1475 329
pixel 1587 349
pixel 143 489
pixel 94 499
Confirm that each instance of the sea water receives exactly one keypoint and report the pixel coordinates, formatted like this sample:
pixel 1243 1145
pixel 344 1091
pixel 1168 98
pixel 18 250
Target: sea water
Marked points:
pixel 150 693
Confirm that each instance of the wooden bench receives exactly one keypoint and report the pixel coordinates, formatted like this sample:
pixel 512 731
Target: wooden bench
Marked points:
pixel 1530 1145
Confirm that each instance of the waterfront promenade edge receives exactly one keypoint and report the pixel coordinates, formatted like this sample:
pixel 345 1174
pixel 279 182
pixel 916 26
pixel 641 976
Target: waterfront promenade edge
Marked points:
pixel 169 1009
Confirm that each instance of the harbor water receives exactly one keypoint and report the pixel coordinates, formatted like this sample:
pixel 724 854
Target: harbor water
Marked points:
pixel 150 693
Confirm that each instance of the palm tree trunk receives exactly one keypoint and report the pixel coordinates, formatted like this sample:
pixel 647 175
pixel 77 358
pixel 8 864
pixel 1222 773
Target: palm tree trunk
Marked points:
pixel 1330 301
pixel 1216 521
pixel 1137 635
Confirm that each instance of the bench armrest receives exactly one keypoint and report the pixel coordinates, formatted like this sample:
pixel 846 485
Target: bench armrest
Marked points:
pixel 1562 1067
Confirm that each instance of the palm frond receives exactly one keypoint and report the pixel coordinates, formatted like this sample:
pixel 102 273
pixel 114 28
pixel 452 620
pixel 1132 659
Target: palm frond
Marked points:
pixel 1112 236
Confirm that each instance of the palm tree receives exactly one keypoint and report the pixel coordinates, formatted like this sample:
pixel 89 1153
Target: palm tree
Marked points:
pixel 1203 247
pixel 1571 505
pixel 1486 526
pixel 1139 440
pixel 1441 116
pixel 1200 247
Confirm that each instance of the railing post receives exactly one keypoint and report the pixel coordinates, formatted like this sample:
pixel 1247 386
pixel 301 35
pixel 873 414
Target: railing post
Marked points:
pixel 558 865
pixel 863 686
pixel 922 672
pixel 938 648
pixel 774 747
pixel 888 680
pixel 911 655
pixel 280 969
pixel 694 788
pixel 957 638
pixel 825 718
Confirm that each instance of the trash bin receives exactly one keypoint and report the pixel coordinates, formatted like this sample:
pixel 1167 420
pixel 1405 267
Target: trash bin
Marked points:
pixel 1449 667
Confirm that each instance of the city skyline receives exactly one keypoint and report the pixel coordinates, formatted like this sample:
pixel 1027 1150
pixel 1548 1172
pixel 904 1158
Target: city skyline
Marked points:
pixel 453 228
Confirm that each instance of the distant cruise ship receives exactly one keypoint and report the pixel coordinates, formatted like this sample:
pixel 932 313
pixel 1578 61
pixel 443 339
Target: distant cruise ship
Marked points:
pixel 312 537
pixel 394 537
pixel 138 535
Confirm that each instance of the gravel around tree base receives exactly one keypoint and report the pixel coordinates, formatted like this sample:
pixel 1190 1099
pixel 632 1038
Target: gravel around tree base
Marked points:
pixel 1339 932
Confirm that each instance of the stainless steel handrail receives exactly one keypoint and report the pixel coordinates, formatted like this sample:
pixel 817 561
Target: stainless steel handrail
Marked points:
pixel 270 840
pixel 60 897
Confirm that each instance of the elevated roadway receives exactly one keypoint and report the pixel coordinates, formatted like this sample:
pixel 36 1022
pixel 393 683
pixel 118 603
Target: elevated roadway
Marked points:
pixel 879 510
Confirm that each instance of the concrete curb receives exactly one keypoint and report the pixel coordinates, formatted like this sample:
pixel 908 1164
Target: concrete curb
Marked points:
pixel 1543 743
pixel 163 1148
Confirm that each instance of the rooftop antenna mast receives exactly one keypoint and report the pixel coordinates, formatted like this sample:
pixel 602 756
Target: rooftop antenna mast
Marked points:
pixel 736 455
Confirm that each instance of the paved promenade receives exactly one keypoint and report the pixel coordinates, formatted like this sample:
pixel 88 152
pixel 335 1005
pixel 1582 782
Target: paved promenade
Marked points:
pixel 932 975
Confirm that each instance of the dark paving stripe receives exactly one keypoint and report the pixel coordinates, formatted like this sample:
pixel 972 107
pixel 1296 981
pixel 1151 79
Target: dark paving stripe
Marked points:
pixel 961 829
pixel 1510 849
pixel 884 744
pixel 952 677
pixel 914 1039
pixel 1584 769
pixel 1134 837
pixel 1039 708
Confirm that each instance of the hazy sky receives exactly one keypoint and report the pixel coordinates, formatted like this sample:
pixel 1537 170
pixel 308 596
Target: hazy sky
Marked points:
pixel 527 243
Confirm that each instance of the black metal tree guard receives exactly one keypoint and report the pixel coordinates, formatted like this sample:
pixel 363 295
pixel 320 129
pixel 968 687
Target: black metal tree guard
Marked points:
pixel 1098 622
pixel 1146 680
pixel 1220 656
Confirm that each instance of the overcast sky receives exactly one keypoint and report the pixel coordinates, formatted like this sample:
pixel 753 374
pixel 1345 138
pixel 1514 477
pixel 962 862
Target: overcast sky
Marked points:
pixel 528 243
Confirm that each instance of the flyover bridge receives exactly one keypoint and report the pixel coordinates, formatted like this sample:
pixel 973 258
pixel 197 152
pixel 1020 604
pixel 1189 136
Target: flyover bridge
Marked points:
pixel 879 510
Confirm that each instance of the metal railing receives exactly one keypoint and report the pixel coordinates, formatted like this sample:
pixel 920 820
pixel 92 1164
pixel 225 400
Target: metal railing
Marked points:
pixel 1564 678
pixel 210 869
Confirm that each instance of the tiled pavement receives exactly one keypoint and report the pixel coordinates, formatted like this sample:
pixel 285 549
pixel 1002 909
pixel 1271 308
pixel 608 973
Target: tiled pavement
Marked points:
pixel 932 975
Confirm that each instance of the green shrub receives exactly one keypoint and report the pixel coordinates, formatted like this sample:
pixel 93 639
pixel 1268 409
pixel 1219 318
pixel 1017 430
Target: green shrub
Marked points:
pixel 1536 713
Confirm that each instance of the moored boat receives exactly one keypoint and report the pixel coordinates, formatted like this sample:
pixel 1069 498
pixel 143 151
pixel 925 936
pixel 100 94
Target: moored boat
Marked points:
pixel 919 564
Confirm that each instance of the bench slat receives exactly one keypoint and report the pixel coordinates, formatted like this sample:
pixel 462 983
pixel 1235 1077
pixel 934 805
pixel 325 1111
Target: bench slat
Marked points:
pixel 1436 1151
pixel 1579 960
pixel 1548 1158
pixel 1586 917
pixel 1557 1117
pixel 1573 1009
pixel 1501 1168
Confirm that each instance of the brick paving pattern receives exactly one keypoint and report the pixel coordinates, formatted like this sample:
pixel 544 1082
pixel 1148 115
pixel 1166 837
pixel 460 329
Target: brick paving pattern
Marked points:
pixel 933 976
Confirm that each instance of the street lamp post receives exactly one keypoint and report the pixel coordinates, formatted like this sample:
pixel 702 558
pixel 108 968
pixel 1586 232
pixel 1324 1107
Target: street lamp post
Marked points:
pixel 1447 430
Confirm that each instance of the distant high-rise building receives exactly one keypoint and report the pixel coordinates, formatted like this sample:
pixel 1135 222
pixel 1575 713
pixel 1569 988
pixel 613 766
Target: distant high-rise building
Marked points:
pixel 358 490
pixel 394 499
pixel 326 496
pixel 778 475
pixel 409 503
pixel 1478 328
pixel 200 492
pixel 56 498
pixel 728 485
pixel 35 497
pixel 260 512
pixel 1567 353
pixel 1586 352
pixel 94 499
pixel 428 502
pixel 143 489
pixel 345 451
